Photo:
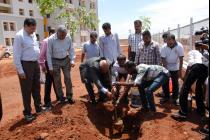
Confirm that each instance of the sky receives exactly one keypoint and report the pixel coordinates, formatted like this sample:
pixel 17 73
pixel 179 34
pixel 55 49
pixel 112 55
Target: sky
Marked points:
pixel 163 13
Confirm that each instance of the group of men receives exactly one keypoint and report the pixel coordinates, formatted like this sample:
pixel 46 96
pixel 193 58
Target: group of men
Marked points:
pixel 148 66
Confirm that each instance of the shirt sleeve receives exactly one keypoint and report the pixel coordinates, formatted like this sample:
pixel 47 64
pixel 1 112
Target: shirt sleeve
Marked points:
pixel 137 54
pixel 72 52
pixel 162 52
pixel 101 46
pixel 49 53
pixel 158 56
pixel 84 49
pixel 142 75
pixel 118 44
pixel 43 52
pixel 97 81
pixel 17 49
pixel 181 50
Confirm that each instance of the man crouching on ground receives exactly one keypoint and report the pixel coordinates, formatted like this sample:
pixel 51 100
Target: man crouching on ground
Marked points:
pixel 149 77
pixel 97 71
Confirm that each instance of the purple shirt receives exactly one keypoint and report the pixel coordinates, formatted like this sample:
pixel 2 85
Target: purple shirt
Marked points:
pixel 43 53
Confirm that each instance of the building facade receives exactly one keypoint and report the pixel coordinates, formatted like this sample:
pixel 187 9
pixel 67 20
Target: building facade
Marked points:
pixel 82 34
pixel 12 16
pixel 14 12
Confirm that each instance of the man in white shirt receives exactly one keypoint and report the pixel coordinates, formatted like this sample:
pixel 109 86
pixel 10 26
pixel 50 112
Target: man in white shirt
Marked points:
pixel 198 74
pixel 109 44
pixel 172 55
pixel 91 48
pixel 26 55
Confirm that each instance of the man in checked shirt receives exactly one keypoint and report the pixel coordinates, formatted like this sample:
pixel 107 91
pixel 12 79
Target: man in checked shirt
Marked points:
pixel 148 51
pixel 134 40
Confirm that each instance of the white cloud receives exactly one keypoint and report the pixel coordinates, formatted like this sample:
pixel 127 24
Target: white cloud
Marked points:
pixel 170 13
pixel 164 14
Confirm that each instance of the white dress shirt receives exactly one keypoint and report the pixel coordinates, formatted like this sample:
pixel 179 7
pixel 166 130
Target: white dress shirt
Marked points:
pixel 26 48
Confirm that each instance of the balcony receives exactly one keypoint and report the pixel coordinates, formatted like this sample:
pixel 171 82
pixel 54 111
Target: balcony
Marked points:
pixel 69 5
pixel 93 1
pixel 5 3
pixel 84 33
pixel 6 10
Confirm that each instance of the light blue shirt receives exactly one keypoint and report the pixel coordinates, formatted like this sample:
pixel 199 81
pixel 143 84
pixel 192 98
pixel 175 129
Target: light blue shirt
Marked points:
pixel 25 48
pixel 91 50
pixel 59 49
pixel 110 47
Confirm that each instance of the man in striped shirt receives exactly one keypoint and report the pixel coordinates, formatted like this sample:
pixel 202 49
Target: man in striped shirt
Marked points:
pixel 134 40
pixel 148 51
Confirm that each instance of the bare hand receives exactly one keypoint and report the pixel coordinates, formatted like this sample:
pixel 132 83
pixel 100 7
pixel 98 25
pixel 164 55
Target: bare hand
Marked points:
pixel 22 76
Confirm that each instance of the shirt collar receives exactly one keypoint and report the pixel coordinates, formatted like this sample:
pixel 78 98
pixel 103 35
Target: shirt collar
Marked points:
pixel 176 44
pixel 92 43
pixel 137 34
pixel 151 43
pixel 26 33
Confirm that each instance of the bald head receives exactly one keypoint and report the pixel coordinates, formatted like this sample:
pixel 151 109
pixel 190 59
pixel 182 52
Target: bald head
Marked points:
pixel 104 66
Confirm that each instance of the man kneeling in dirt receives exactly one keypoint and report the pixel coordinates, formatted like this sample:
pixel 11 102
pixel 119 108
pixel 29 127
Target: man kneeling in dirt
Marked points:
pixel 97 71
pixel 149 77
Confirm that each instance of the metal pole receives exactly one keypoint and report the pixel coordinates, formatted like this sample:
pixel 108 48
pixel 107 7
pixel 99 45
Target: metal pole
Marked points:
pixel 178 33
pixel 191 33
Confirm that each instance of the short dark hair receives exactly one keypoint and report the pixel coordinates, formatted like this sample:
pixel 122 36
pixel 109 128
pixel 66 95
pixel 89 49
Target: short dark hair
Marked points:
pixel 93 34
pixel 171 36
pixel 106 26
pixel 30 22
pixel 138 22
pixel 165 35
pixel 146 33
pixel 130 64
pixel 121 57
pixel 52 31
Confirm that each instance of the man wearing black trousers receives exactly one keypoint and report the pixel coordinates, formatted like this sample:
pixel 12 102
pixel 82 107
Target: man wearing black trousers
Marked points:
pixel 26 55
pixel 199 73
pixel 49 78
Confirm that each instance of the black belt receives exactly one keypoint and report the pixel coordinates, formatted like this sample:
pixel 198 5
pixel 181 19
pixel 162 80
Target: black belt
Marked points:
pixel 29 61
pixel 60 59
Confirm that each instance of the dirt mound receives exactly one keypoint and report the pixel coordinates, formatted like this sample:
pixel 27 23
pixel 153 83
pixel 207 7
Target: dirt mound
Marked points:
pixel 82 121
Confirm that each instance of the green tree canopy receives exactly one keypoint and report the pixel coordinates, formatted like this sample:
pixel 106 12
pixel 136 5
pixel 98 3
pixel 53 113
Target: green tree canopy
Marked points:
pixel 49 6
pixel 146 23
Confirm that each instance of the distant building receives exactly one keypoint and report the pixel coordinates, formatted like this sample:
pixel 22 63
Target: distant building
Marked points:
pixel 71 6
pixel 14 12
pixel 12 16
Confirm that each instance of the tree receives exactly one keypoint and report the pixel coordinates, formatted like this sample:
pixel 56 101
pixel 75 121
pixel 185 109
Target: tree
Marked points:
pixel 70 22
pixel 47 7
pixel 146 23
pixel 79 19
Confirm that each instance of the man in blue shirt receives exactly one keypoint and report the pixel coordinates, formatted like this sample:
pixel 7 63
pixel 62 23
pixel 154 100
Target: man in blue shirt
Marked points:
pixel 26 55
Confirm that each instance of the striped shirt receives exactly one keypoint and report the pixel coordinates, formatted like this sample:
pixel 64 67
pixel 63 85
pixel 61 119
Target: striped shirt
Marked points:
pixel 133 41
pixel 149 55
pixel 149 72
